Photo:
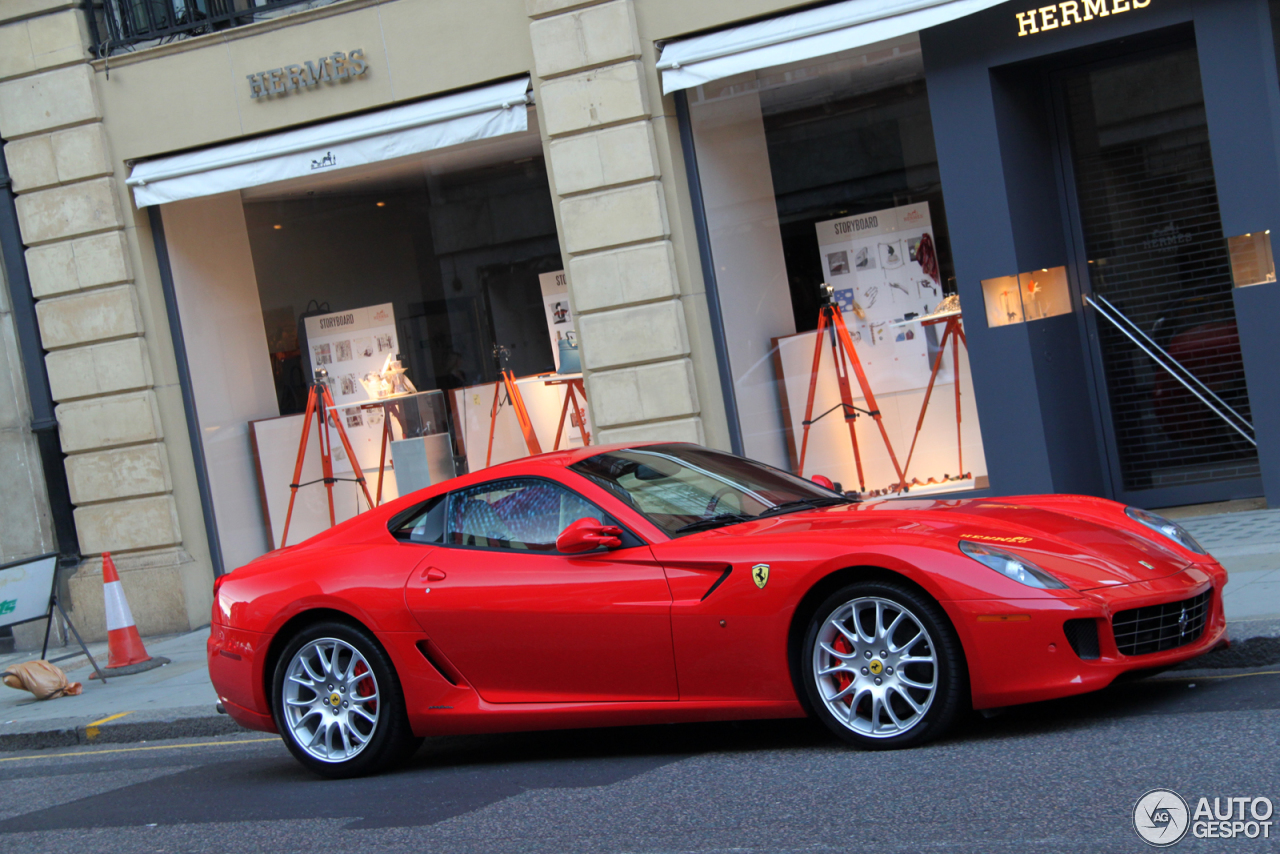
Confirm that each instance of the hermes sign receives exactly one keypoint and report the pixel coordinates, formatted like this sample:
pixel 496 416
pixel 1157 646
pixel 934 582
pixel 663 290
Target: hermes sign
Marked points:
pixel 1072 12
pixel 327 69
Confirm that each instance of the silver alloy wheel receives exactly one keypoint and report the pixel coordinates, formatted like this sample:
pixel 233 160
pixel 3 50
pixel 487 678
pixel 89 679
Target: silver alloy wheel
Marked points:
pixel 331 701
pixel 876 667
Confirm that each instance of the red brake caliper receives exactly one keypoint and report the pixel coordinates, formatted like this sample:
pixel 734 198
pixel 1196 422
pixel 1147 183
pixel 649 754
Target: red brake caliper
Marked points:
pixel 365 686
pixel 843 679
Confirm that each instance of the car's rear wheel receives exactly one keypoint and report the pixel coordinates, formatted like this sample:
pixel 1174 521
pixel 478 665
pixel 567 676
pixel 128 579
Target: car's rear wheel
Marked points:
pixel 338 703
pixel 882 667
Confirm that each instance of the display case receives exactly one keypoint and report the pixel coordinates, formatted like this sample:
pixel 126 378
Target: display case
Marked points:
pixel 1027 296
pixel 421 445
pixel 1251 259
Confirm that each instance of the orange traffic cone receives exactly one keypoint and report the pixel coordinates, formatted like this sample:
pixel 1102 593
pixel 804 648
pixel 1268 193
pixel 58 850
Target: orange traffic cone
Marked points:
pixel 124 644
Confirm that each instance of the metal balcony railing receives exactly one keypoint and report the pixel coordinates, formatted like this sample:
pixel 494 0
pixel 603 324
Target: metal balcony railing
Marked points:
pixel 130 22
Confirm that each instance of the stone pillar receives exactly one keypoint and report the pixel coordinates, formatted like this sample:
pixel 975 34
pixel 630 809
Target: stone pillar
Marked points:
pixel 100 372
pixel 26 528
pixel 603 161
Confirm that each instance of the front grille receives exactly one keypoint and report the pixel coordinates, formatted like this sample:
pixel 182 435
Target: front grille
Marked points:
pixel 1083 637
pixel 1156 628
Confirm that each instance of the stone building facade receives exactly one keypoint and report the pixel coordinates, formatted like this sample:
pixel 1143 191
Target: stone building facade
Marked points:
pixel 72 123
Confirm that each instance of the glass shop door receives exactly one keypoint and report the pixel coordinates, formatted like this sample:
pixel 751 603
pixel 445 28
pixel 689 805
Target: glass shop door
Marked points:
pixel 1145 222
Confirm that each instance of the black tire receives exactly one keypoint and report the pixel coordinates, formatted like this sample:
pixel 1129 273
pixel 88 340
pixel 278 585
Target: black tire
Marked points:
pixel 390 739
pixel 915 716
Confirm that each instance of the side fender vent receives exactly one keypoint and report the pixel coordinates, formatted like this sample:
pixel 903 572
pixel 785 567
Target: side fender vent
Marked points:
pixel 718 582
pixel 1083 637
pixel 437 662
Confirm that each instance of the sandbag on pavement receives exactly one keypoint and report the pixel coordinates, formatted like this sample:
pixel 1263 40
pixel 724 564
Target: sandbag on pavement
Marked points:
pixel 46 681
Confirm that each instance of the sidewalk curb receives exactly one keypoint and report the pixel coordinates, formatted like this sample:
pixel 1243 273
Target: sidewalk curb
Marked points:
pixel 121 733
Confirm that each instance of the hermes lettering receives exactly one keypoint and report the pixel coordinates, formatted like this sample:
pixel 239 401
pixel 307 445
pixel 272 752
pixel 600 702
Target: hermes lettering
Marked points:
pixel 1071 12
pixel 333 68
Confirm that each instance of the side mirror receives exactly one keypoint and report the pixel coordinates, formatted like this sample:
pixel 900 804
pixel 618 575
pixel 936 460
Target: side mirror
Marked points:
pixel 587 534
pixel 823 481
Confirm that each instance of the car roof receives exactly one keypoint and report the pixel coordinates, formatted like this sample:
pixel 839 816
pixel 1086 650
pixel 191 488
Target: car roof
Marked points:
pixel 569 456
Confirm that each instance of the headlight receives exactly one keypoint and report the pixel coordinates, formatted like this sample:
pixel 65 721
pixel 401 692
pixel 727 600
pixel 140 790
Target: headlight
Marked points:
pixel 1161 525
pixel 1017 568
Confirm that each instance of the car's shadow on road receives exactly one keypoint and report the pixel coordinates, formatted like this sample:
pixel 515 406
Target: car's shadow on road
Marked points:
pixel 1165 694
pixel 452 776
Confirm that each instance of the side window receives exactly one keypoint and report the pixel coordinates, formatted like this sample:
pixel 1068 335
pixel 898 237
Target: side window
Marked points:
pixel 514 514
pixel 421 524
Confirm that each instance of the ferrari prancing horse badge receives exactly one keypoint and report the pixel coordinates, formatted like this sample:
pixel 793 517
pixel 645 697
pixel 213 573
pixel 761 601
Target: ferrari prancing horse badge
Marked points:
pixel 760 574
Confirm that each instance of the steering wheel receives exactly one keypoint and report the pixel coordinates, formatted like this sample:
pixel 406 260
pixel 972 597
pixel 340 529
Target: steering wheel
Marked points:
pixel 715 499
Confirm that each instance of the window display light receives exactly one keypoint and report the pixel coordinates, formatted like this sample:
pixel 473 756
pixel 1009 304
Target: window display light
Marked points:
pixel 1251 260
pixel 1035 295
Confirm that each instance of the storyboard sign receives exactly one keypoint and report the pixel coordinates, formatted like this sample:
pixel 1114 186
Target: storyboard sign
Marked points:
pixel 555 299
pixel 353 346
pixel 883 266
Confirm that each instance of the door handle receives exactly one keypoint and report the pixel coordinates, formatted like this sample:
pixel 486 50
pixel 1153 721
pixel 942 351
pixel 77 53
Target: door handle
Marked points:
pixel 433 574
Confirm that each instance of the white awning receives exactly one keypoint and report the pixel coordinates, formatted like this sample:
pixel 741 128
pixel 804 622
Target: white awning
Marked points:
pixel 802 35
pixel 410 129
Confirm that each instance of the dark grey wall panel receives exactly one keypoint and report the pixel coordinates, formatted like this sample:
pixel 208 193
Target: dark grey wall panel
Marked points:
pixel 983 247
pixel 1242 101
pixel 1026 149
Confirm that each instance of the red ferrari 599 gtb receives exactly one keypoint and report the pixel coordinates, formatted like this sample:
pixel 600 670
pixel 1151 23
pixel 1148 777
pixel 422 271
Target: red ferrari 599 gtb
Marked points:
pixel 670 582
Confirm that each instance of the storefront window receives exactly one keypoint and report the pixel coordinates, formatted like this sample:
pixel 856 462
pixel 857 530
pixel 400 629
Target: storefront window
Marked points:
pixel 426 287
pixel 457 253
pixel 826 173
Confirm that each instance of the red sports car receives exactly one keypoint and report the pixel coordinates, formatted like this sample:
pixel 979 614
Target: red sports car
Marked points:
pixel 670 582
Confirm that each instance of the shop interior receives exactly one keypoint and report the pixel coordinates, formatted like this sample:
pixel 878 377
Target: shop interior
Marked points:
pixel 415 283
pixel 826 172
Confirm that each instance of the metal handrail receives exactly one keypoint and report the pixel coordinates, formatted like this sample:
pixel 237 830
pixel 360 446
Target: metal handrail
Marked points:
pixel 1165 354
pixel 1106 309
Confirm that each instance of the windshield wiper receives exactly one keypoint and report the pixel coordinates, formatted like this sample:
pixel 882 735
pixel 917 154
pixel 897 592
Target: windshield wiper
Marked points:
pixel 804 504
pixel 710 522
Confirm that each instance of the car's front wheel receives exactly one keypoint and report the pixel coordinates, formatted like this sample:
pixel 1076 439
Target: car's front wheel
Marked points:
pixel 882 666
pixel 338 704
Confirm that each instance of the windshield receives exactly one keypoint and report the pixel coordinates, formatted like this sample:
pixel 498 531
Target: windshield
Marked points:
pixel 686 488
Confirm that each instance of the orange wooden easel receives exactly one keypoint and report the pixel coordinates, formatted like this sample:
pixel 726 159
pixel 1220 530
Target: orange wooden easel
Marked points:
pixel 954 332
pixel 571 398
pixel 508 381
pixel 831 323
pixel 320 403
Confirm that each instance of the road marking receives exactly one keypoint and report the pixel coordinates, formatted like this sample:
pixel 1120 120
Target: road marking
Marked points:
pixel 1223 676
pixel 91 731
pixel 137 749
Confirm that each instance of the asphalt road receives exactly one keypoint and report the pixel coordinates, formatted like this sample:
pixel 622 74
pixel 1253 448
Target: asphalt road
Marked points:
pixel 1059 776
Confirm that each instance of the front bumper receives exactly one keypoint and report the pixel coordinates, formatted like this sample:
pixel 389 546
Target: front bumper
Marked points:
pixel 1017 650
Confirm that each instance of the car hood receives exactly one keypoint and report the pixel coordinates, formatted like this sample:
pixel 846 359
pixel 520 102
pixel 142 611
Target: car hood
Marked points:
pixel 1085 554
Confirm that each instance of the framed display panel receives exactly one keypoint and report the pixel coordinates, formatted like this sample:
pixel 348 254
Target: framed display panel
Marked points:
pixel 473 406
pixel 883 268
pixel 830 452
pixel 275 452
